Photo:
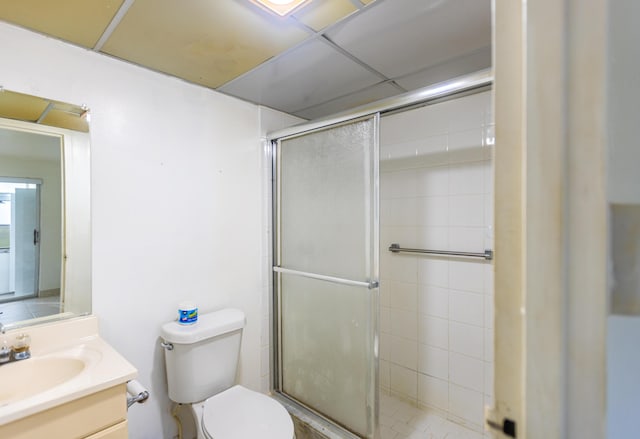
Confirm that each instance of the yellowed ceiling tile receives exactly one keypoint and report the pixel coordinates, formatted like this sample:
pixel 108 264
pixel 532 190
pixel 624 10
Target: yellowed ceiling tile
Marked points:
pixel 19 106
pixel 79 21
pixel 209 42
pixel 322 13
pixel 63 119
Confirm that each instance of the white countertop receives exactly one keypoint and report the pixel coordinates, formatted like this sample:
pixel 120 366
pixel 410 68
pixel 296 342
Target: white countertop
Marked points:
pixel 70 339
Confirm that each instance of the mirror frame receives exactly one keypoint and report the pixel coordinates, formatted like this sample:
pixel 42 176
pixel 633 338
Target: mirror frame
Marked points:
pixel 76 294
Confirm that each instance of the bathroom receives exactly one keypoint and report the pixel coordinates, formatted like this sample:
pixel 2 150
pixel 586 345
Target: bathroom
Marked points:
pixel 153 242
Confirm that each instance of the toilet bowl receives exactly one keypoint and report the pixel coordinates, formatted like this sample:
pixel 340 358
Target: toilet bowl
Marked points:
pixel 201 363
pixel 240 413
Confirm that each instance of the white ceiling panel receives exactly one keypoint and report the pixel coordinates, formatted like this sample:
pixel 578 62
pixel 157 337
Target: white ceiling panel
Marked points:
pixel 401 37
pixel 311 74
pixel 366 96
pixel 462 65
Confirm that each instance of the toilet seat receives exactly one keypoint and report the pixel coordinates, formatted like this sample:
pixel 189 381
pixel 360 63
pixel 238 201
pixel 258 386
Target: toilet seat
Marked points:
pixel 240 413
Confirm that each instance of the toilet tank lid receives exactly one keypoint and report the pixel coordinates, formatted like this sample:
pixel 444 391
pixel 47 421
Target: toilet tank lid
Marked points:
pixel 208 325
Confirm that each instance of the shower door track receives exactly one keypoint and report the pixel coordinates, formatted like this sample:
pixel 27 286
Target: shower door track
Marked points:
pixel 451 89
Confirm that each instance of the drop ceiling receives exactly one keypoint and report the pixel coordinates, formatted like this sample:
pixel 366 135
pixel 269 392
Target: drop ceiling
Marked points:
pixel 326 57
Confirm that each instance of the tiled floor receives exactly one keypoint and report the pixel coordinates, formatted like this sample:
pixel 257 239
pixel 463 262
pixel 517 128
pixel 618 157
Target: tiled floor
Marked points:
pixel 401 420
pixel 29 309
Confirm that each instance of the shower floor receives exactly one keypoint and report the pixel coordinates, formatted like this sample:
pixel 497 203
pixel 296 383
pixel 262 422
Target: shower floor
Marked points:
pixel 402 420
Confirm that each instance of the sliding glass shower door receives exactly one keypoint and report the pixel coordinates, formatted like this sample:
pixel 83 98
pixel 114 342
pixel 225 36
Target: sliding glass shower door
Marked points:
pixel 326 272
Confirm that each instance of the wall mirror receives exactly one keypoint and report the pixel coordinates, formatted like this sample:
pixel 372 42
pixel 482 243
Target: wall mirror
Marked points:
pixel 45 232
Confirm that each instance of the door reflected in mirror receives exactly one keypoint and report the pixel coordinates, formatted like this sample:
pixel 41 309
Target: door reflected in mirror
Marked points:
pixel 30 225
pixel 45 234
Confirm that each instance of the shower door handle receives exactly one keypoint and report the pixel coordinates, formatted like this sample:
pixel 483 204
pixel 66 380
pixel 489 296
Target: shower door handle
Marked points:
pixel 337 280
pixel 36 236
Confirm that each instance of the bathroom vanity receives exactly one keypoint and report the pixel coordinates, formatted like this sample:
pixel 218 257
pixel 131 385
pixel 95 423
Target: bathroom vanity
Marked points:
pixel 73 386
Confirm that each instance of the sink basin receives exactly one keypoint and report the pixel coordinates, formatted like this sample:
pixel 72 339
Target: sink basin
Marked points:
pixel 69 361
pixel 25 378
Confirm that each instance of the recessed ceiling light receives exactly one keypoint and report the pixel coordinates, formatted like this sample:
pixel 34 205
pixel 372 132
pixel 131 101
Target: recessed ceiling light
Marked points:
pixel 281 7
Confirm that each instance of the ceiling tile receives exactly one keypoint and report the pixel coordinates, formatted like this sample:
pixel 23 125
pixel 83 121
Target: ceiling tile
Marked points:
pixel 208 42
pixel 306 76
pixel 400 37
pixel 366 96
pixel 81 22
pixel 320 14
pixel 21 106
pixel 462 65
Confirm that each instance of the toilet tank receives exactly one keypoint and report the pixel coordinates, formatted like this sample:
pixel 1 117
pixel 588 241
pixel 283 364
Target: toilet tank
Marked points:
pixel 204 358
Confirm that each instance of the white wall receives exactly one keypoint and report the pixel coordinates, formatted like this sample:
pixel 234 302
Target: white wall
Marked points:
pixel 437 312
pixel 176 201
pixel 50 208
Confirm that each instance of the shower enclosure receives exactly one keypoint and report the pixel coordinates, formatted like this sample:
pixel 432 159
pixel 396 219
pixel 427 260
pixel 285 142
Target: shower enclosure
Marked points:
pixel 326 334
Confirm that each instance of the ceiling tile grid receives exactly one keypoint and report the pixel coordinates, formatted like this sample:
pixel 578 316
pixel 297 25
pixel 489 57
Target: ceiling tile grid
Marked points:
pixel 327 56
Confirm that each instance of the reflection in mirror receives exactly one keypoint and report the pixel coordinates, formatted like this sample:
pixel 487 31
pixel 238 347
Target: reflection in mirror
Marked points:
pixel 44 215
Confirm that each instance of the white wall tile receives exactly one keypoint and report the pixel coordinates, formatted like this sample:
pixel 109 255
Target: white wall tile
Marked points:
pixel 466 178
pixel 466 146
pixel 401 267
pixel 466 339
pixel 433 211
pixel 467 113
pixel 433 361
pixel 404 212
pixel 404 235
pixel 467 239
pixel 488 310
pixel 466 210
pixel 433 301
pixel 466 404
pixel 488 210
pixel 467 275
pixel 384 345
pixel 403 295
pixel 466 371
pixel 404 323
pixel 487 175
pixel 384 293
pixel 399 184
pixel 488 278
pixel 433 181
pixel 385 319
pixel 437 193
pixel 466 307
pixel 434 331
pixel 488 344
pixel 404 352
pixel 404 381
pixel 489 141
pixel 433 271
pixel 433 392
pixel 434 237
pixel 432 151
pixel 384 374
pixel 488 378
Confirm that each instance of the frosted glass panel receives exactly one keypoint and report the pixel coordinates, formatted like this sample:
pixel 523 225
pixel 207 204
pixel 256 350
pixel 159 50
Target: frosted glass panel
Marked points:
pixel 325 201
pixel 327 343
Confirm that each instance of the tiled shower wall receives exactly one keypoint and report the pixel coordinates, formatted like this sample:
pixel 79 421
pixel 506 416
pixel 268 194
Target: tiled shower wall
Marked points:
pixel 436 314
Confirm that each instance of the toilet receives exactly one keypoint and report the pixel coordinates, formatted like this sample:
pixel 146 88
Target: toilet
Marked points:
pixel 201 360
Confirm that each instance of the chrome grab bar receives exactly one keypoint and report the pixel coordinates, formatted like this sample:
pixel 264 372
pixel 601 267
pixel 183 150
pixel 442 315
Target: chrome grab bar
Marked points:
pixel 488 254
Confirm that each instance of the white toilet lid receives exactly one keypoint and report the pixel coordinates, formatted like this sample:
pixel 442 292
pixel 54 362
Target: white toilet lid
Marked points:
pixel 240 413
